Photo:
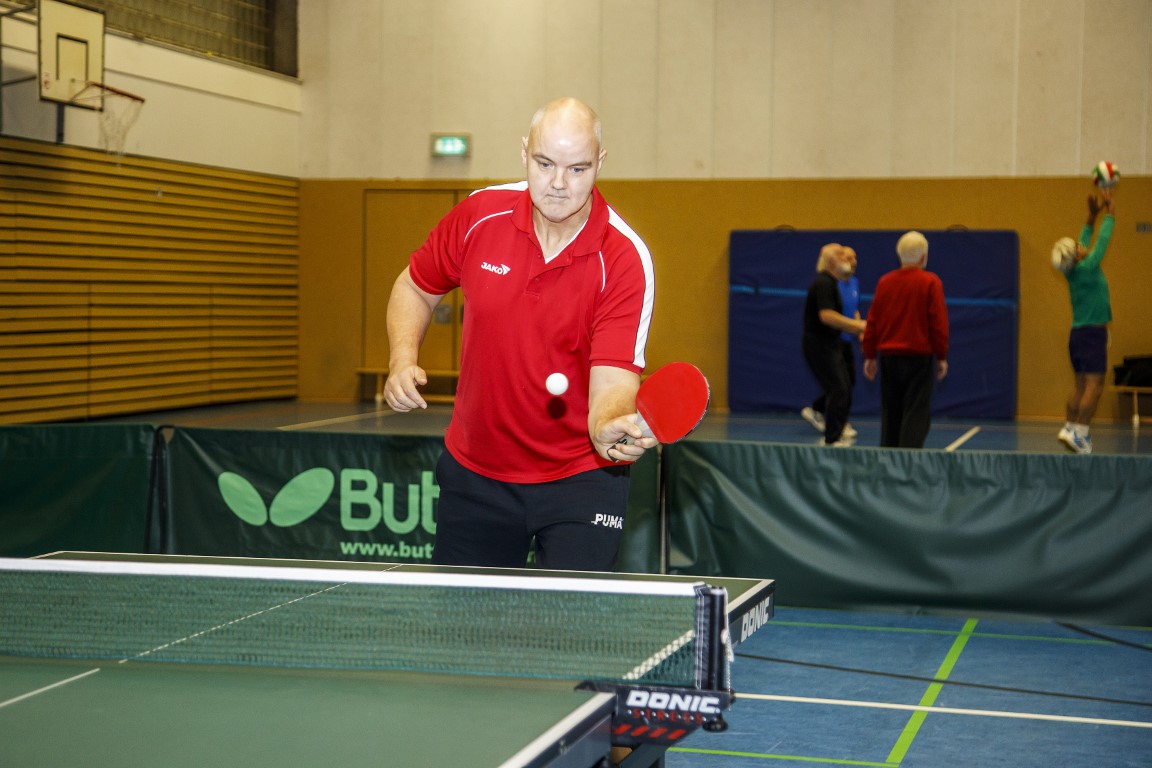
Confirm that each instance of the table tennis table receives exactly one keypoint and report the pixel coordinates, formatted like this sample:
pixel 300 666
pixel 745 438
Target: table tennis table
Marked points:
pixel 66 712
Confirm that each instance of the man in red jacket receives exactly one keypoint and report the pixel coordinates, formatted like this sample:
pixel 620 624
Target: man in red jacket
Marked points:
pixel 907 329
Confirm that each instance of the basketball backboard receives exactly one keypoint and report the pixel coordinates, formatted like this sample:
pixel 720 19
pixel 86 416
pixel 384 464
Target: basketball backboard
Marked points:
pixel 71 51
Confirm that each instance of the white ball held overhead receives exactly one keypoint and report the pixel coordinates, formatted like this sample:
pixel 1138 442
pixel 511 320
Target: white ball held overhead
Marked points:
pixel 556 384
pixel 1106 175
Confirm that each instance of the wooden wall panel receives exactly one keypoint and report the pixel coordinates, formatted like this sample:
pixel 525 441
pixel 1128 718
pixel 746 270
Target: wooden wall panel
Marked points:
pixel 131 284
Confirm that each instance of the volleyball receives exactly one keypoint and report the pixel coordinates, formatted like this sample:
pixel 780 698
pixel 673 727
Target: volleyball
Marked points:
pixel 1106 175
pixel 1064 255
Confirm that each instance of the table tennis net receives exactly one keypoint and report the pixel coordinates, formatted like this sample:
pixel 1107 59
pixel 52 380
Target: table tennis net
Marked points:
pixel 586 629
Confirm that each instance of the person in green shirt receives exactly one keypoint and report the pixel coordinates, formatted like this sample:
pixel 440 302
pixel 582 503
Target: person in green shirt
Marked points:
pixel 1091 312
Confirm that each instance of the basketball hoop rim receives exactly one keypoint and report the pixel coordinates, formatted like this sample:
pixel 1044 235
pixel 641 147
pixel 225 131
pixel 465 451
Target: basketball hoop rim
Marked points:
pixel 101 88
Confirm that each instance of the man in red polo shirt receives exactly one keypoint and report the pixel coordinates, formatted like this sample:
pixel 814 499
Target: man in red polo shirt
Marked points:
pixel 554 281
pixel 908 329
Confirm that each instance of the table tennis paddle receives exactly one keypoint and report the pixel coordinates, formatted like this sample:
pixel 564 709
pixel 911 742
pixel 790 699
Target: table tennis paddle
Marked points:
pixel 672 402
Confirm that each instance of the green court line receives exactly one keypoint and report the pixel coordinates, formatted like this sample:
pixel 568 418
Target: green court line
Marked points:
pixel 904 743
pixel 794 758
pixel 1043 639
pixel 921 631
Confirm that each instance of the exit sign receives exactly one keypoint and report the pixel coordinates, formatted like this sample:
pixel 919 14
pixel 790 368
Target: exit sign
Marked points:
pixel 451 144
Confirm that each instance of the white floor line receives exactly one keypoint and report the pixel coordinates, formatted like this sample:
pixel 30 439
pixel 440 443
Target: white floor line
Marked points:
pixel 962 439
pixel 39 691
pixel 947 710
pixel 337 420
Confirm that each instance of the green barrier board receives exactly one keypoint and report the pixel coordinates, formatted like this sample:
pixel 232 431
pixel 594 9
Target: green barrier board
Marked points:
pixel 74 487
pixel 1038 534
pixel 329 496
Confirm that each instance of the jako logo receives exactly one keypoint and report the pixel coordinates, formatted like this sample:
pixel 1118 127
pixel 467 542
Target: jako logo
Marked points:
pixel 365 502
pixel 503 269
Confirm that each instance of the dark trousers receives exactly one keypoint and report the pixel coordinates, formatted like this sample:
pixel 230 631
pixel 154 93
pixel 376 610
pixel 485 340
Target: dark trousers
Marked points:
pixel 575 523
pixel 826 360
pixel 818 404
pixel 906 383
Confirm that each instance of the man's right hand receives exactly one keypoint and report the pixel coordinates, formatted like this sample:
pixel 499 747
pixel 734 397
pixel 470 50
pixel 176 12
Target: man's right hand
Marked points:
pixel 400 390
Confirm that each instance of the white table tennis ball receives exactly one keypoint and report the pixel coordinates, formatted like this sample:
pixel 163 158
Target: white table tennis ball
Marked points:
pixel 556 384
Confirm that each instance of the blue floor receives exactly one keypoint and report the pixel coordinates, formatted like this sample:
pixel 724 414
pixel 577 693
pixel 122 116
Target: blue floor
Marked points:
pixel 841 688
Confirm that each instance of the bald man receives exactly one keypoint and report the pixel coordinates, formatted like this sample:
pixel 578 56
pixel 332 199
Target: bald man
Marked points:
pixel 553 281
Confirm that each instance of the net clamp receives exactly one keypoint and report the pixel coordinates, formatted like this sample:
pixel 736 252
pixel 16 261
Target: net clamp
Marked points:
pixel 661 715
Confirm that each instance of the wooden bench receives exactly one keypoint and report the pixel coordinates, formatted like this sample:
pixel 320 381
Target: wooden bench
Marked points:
pixel 1135 392
pixel 381 375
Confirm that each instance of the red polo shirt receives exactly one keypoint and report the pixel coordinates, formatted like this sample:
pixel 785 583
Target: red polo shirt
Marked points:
pixel 524 319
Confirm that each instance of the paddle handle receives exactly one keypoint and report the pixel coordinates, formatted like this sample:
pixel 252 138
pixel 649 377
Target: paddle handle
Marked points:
pixel 643 425
pixel 640 422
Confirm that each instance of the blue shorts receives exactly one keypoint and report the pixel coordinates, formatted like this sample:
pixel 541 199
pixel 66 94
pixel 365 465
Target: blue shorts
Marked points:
pixel 1088 349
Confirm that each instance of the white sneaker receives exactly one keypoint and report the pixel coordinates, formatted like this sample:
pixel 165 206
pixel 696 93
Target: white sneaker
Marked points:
pixel 843 442
pixel 814 418
pixel 849 432
pixel 1076 442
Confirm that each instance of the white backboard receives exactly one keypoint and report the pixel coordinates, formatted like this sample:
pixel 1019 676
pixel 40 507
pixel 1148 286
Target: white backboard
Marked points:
pixel 71 50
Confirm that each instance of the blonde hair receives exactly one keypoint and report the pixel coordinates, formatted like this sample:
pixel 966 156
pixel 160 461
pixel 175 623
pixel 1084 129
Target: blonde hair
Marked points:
pixel 1064 254
pixel 825 254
